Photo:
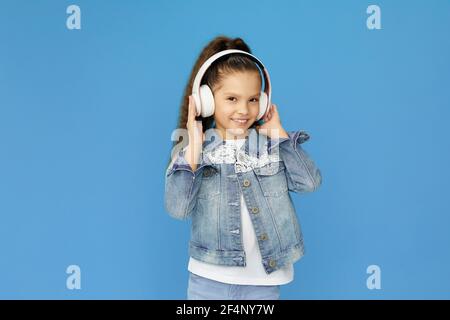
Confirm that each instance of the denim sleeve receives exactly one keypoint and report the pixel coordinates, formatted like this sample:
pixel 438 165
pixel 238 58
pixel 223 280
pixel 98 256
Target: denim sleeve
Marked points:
pixel 301 172
pixel 181 187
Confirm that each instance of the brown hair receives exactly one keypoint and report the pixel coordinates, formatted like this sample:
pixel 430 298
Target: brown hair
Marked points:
pixel 218 69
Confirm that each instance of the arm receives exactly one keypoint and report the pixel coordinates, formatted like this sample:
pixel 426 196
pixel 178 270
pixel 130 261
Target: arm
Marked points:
pixel 182 177
pixel 181 186
pixel 301 172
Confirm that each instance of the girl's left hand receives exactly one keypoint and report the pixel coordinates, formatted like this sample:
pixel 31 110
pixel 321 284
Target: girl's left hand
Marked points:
pixel 272 123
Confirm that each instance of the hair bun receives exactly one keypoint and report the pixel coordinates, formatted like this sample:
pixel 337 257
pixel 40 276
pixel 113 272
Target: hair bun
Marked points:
pixel 238 43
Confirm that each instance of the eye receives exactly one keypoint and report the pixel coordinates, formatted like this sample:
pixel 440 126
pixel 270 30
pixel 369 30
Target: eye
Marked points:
pixel 231 98
pixel 254 100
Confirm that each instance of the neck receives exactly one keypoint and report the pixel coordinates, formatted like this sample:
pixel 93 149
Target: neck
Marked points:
pixel 227 135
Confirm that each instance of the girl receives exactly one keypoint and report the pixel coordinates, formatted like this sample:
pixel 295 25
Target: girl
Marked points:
pixel 233 180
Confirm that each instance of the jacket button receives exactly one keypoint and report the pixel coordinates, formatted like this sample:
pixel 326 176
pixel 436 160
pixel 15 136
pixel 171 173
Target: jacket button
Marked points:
pixel 206 173
pixel 263 236
pixel 255 210
pixel 246 183
pixel 272 263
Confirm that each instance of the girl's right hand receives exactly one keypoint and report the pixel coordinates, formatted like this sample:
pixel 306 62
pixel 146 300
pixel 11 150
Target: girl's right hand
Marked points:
pixel 194 127
pixel 196 136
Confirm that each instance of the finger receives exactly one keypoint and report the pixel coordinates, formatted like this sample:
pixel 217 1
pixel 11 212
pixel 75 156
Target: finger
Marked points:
pixel 266 116
pixel 194 107
pixel 275 108
pixel 191 113
pixel 189 109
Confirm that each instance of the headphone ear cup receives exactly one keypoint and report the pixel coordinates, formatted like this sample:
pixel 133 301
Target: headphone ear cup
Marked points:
pixel 263 104
pixel 207 100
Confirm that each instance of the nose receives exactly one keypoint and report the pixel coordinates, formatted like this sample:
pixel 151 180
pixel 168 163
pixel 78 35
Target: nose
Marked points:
pixel 242 108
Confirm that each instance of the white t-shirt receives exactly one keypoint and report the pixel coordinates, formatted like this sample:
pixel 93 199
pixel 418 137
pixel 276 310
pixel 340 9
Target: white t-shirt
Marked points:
pixel 253 273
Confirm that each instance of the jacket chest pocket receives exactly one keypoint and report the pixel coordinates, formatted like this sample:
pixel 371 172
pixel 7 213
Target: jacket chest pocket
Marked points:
pixel 210 186
pixel 272 178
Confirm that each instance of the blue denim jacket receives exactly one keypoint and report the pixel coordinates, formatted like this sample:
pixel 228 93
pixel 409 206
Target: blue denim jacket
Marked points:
pixel 210 196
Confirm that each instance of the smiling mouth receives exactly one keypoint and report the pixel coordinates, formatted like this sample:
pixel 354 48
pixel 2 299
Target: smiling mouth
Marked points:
pixel 240 121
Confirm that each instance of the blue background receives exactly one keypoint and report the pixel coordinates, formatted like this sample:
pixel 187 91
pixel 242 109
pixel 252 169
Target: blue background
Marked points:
pixel 86 117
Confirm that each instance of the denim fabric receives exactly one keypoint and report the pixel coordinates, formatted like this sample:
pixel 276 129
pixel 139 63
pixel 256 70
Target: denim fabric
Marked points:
pixel 201 288
pixel 210 196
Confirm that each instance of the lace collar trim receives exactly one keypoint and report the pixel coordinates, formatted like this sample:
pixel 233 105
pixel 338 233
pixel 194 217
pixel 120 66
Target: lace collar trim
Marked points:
pixel 234 153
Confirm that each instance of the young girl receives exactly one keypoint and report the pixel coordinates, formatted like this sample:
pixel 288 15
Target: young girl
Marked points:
pixel 233 180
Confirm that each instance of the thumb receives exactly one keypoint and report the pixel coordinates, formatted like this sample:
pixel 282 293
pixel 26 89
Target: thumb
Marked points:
pixel 274 108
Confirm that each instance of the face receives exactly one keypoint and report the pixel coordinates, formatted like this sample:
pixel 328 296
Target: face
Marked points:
pixel 236 101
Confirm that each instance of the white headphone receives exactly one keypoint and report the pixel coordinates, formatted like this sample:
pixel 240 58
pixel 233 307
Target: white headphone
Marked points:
pixel 204 98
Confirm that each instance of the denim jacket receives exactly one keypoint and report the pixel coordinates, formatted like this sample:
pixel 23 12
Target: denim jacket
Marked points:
pixel 210 196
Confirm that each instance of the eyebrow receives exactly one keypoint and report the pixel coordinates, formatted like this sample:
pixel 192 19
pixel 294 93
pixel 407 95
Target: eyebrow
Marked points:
pixel 235 94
